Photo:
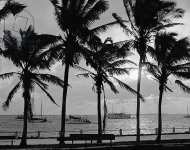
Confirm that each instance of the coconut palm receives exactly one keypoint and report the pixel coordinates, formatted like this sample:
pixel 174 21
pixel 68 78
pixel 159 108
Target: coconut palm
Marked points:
pixel 105 63
pixel 170 56
pixel 28 52
pixel 145 18
pixel 74 18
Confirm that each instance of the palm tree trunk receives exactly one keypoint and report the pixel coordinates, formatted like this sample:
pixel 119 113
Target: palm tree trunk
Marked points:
pixel 138 101
pixel 99 111
pixel 63 115
pixel 161 89
pixel 23 142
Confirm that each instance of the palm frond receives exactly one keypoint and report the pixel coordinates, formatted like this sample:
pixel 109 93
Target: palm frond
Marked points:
pixel 117 71
pixel 48 94
pixel 10 96
pixel 54 2
pixel 185 66
pixel 36 79
pixel 11 7
pixel 184 87
pixel 128 88
pixel 160 27
pixel 111 85
pixel 105 27
pixel 167 88
pixel 51 78
pixel 153 69
pixel 83 69
pixel 44 40
pixel 86 75
pixel 93 9
pixel 122 24
pixel 7 75
pixel 122 62
pixel 181 74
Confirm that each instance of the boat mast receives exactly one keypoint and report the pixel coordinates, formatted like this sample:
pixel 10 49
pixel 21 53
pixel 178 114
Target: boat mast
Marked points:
pixel 187 110
pixel 41 108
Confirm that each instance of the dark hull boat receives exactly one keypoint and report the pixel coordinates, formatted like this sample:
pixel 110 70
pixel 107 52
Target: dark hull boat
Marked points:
pixel 33 119
pixel 77 120
pixel 119 116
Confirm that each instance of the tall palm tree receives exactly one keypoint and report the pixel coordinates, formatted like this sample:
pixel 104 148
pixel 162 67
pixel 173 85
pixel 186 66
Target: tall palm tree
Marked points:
pixel 28 53
pixel 145 18
pixel 74 18
pixel 105 63
pixel 170 55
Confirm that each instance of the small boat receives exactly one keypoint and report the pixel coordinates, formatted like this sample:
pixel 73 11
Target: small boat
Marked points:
pixel 77 120
pixel 119 116
pixel 31 117
pixel 187 115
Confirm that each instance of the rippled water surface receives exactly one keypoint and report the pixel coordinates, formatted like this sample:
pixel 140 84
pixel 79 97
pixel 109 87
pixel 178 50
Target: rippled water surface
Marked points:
pixel 148 125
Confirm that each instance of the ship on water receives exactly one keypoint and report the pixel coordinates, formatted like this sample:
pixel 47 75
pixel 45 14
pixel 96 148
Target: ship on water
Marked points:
pixel 77 120
pixel 119 116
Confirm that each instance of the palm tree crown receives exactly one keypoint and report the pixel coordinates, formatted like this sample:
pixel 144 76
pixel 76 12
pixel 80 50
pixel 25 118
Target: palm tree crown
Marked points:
pixel 74 18
pixel 28 52
pixel 145 18
pixel 105 60
pixel 170 55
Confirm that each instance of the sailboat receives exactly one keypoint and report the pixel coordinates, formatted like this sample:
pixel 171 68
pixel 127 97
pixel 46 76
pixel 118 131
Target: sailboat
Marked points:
pixel 187 115
pixel 39 119
pixel 31 116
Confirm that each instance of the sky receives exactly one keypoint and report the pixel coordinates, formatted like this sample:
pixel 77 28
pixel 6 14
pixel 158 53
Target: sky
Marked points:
pixel 81 99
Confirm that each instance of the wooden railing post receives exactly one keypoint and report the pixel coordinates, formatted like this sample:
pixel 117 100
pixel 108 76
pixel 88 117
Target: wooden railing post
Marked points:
pixel 38 134
pixel 173 129
pixel 12 142
pixel 156 130
pixel 81 131
pixel 120 132
pixel 16 134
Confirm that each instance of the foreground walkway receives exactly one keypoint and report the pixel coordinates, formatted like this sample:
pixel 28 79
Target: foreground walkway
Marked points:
pixel 183 144
pixel 119 139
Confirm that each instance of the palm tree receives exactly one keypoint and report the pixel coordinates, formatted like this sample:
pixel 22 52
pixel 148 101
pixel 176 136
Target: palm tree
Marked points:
pixel 170 55
pixel 145 18
pixel 27 52
pixel 105 62
pixel 74 18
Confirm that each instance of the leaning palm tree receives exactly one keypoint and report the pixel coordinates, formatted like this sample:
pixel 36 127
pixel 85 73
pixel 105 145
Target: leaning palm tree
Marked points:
pixel 105 61
pixel 170 57
pixel 28 52
pixel 74 18
pixel 145 18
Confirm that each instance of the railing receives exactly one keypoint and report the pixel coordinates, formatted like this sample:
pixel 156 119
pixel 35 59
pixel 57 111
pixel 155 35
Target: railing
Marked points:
pixel 119 132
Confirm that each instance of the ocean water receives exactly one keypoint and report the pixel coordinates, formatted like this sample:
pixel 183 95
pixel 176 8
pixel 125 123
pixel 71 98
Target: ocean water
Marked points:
pixel 9 124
